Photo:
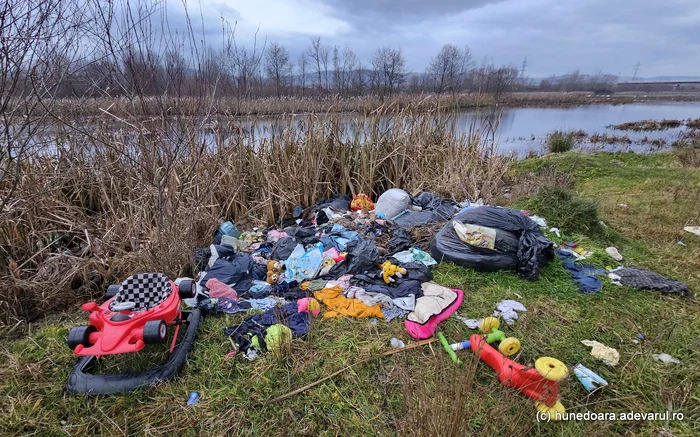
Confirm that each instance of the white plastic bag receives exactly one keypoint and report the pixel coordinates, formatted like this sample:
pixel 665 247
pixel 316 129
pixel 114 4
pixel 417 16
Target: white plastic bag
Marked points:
pixel 392 203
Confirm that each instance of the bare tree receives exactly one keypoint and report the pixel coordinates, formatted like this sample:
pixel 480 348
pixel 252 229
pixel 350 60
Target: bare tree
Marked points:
pixel 278 67
pixel 359 79
pixel 503 80
pixel 344 64
pixel 319 54
pixel 388 70
pixel 597 82
pixel 213 71
pixel 447 70
pixel 243 63
pixel 302 66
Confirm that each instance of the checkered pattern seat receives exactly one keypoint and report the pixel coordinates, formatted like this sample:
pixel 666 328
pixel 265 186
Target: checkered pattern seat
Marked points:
pixel 145 290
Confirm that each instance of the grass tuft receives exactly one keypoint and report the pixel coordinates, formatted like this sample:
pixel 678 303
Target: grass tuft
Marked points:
pixel 560 142
pixel 564 210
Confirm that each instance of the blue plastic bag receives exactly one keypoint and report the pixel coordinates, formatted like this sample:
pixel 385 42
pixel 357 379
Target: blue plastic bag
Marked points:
pixel 302 265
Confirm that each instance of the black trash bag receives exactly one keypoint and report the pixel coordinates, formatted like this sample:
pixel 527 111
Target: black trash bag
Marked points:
pixel 520 244
pixel 283 248
pixel 435 209
pixel 403 289
pixel 362 255
pixel 430 201
pixel 201 257
pixel 339 202
pixel 304 234
pixel 237 271
pixel 321 218
pixel 415 272
pixel 400 240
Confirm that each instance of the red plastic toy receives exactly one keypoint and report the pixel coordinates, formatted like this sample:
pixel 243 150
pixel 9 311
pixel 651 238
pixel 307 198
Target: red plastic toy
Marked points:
pixel 137 314
pixel 528 381
pixel 538 383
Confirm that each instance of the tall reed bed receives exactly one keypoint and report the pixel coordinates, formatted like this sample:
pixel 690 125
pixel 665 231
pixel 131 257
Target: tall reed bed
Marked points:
pixel 101 202
pixel 364 105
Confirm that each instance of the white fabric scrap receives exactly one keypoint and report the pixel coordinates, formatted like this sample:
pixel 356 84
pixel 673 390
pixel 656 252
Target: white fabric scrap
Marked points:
pixel 507 309
pixel 471 323
pixel 539 220
pixel 614 278
pixel 693 230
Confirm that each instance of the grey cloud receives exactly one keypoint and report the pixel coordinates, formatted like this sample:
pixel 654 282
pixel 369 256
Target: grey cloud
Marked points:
pixel 556 36
pixel 396 11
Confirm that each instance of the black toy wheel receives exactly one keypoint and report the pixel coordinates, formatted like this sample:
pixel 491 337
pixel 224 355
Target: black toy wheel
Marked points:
pixel 80 335
pixel 112 291
pixel 154 332
pixel 186 288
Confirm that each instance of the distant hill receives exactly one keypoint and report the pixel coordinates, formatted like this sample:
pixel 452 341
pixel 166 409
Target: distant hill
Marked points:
pixel 624 78
pixel 659 79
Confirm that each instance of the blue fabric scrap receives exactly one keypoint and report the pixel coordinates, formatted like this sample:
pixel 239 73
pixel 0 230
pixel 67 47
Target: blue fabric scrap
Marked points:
pixel 584 275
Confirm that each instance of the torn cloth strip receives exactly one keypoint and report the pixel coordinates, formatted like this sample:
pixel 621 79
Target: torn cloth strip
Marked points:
pixel 584 275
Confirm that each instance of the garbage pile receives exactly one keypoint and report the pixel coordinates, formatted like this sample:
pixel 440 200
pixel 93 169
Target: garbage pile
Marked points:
pixel 352 257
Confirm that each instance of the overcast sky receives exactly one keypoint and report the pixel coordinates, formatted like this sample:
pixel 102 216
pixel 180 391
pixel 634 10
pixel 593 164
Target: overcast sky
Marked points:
pixel 556 36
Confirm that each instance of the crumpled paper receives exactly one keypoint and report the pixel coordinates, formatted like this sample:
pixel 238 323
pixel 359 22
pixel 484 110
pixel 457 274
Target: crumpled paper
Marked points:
pixel 604 353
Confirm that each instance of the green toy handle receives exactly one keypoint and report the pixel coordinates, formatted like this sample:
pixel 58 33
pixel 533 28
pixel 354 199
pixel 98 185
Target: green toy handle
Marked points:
pixel 495 335
pixel 448 348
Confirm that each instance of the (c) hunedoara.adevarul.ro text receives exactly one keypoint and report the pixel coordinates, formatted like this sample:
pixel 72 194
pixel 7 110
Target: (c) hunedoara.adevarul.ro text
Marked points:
pixel 593 416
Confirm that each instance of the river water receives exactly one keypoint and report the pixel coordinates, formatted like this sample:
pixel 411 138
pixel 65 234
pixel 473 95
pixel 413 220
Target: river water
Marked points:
pixel 524 129
pixel 517 131
pixel 521 131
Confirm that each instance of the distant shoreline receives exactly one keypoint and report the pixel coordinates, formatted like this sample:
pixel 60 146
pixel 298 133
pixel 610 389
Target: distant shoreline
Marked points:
pixel 363 105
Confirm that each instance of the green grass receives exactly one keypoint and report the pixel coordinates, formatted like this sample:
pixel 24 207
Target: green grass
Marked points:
pixel 420 391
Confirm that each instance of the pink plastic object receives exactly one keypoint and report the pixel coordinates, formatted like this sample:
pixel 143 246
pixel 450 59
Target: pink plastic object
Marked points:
pixel 309 305
pixel 420 332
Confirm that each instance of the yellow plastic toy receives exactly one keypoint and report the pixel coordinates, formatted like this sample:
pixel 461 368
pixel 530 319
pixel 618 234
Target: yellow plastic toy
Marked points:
pixel 389 270
pixel 551 368
pixel 555 412
pixel 488 324
pixel 508 345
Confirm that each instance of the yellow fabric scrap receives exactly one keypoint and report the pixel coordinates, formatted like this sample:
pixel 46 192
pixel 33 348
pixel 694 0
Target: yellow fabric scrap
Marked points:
pixel 339 305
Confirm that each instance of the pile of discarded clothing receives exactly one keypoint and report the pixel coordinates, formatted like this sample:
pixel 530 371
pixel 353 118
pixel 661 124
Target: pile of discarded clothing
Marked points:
pixel 352 257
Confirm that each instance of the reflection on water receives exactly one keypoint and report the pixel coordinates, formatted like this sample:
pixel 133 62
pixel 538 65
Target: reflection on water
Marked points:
pixel 526 128
pixel 518 131
pixel 521 130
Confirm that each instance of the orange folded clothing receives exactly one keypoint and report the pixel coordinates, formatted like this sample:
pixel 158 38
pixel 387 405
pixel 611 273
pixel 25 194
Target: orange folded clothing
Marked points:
pixel 339 305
